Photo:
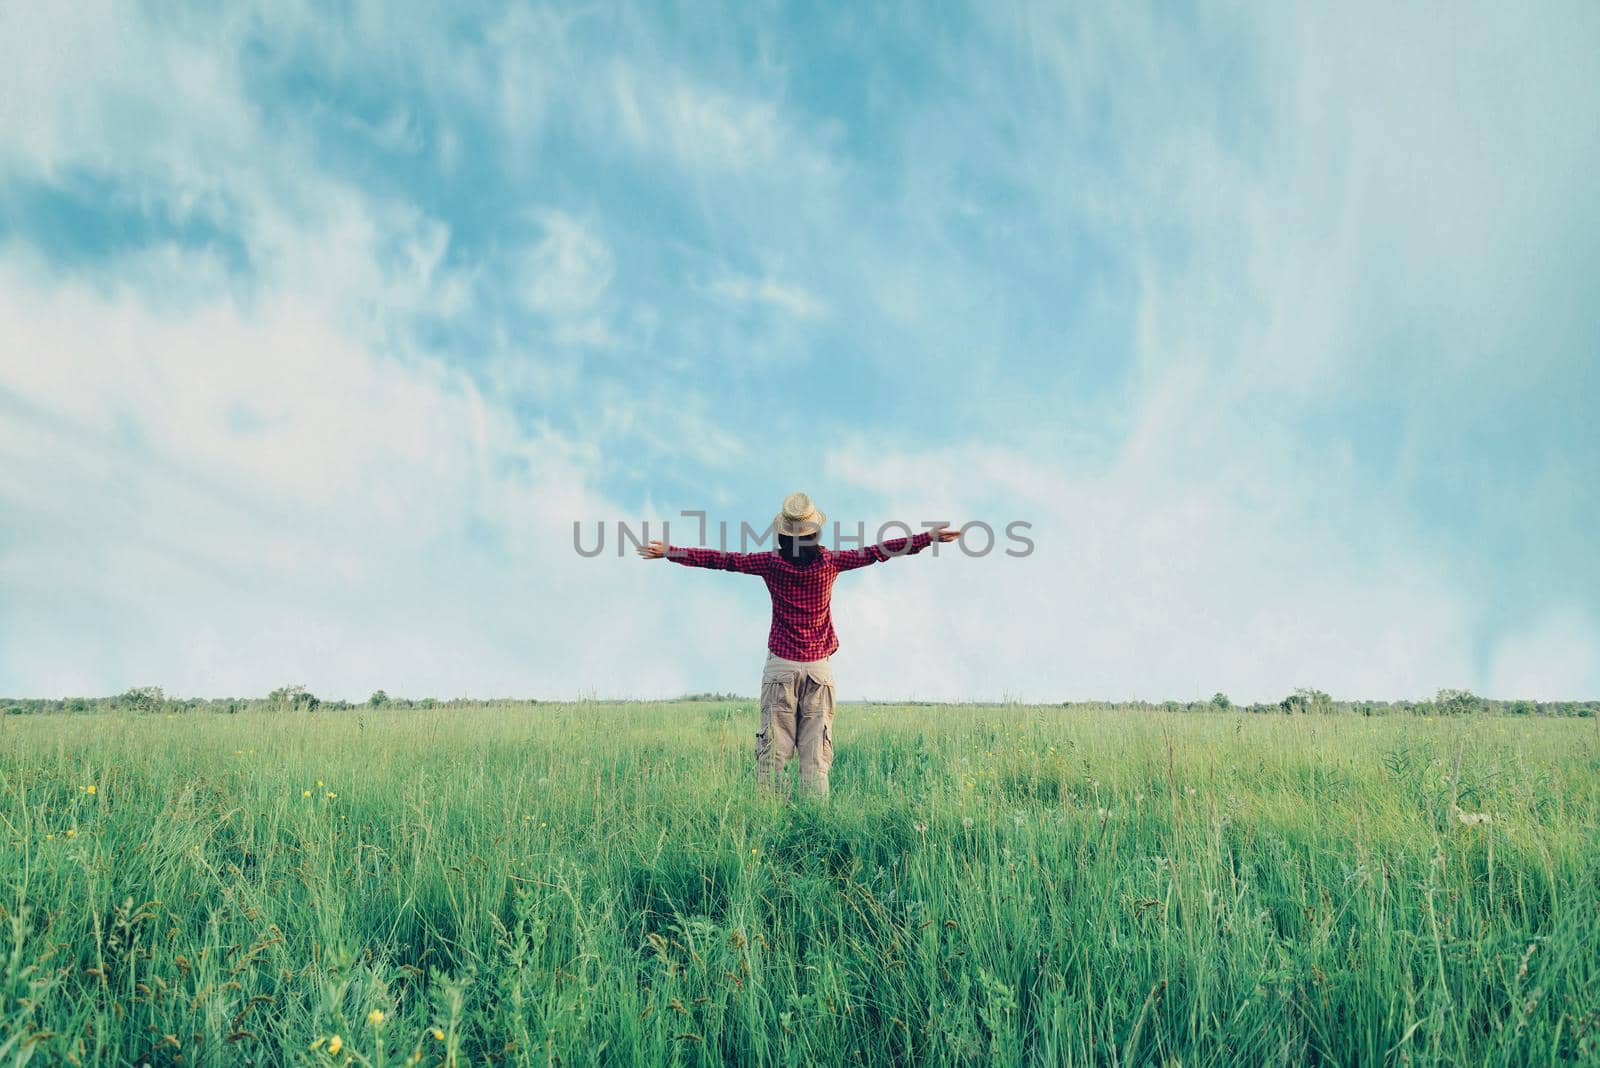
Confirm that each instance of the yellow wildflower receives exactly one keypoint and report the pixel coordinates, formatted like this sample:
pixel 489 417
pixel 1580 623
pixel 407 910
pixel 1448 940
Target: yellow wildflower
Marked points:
pixel 305 793
pixel 375 1017
pixel 438 1034
pixel 331 795
pixel 72 832
pixel 89 789
pixel 335 1044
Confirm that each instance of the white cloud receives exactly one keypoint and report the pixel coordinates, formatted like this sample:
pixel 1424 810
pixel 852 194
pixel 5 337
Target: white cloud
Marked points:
pixel 1388 240
pixel 374 522
pixel 221 484
pixel 1143 583
pixel 1557 657
pixel 664 425
pixel 717 130
pixel 790 299
pixel 218 483
pixel 96 84
pixel 706 129
pixel 568 270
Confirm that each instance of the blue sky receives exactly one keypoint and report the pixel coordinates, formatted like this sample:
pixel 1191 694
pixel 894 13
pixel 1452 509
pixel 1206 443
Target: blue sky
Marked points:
pixel 321 326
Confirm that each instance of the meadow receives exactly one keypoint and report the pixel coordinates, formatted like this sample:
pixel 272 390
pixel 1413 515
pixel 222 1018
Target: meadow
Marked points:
pixel 603 884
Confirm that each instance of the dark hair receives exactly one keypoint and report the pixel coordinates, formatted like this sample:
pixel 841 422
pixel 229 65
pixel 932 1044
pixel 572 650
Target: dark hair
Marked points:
pixel 800 551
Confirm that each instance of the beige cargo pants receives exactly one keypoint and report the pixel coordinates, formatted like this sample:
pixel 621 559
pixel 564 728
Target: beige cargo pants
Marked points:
pixel 796 718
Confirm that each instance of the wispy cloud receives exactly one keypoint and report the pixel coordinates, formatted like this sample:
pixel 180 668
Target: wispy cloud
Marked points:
pixel 569 269
pixel 791 299
pixel 567 275
pixel 707 129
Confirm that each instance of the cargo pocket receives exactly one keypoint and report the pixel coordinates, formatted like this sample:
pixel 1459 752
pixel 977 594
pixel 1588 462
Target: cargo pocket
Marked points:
pixel 777 694
pixel 763 730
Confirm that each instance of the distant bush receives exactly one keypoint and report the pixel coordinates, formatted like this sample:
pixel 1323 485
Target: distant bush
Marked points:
pixel 298 697
pixel 142 698
pixel 378 699
pixel 1305 701
pixel 1457 702
pixel 1220 702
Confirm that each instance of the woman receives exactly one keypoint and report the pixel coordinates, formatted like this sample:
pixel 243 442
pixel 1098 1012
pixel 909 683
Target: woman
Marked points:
pixel 797 683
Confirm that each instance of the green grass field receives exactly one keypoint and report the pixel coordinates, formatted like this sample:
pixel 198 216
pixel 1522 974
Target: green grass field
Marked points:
pixel 593 883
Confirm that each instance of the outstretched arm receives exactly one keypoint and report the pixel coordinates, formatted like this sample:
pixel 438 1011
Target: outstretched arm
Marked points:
pixel 747 563
pixel 851 559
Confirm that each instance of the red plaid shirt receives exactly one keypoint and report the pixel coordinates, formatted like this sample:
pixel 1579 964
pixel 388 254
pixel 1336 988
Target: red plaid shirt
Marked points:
pixel 802 623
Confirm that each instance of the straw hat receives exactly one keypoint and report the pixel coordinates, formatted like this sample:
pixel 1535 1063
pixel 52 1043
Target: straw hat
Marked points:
pixel 798 517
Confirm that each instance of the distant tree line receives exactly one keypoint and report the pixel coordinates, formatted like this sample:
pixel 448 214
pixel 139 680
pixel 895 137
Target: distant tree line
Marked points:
pixel 1310 702
pixel 295 698
pixel 291 698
